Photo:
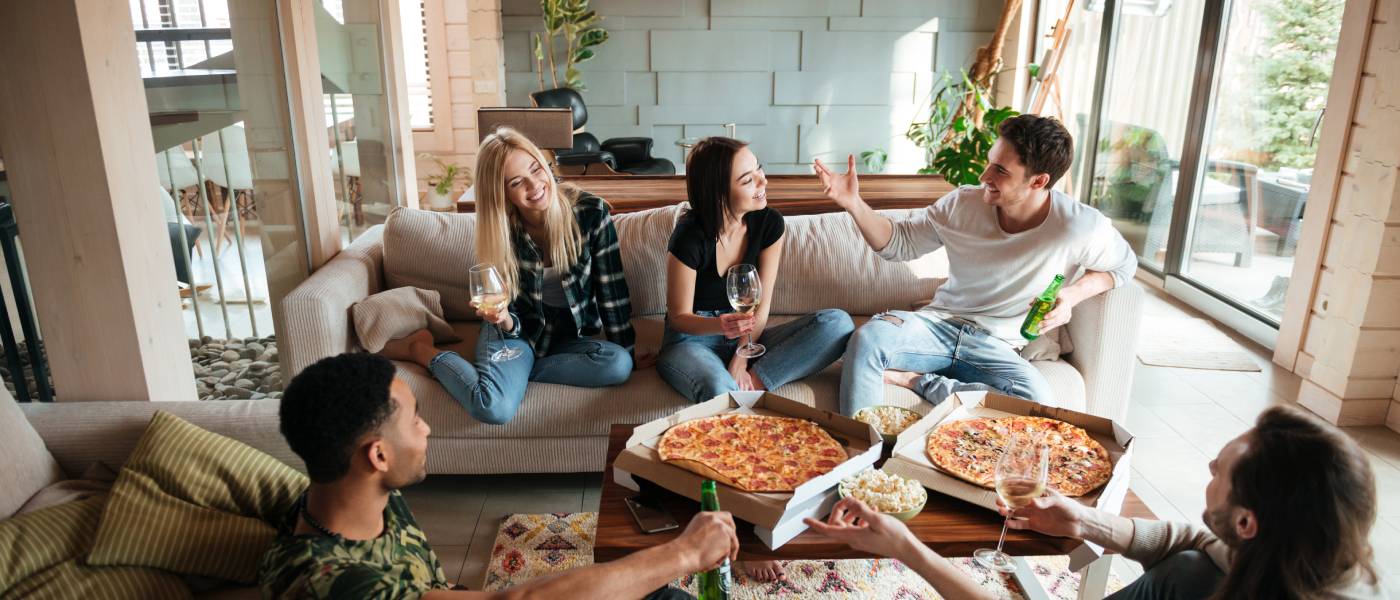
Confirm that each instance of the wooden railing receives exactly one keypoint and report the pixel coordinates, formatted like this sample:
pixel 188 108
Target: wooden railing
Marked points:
pixel 791 194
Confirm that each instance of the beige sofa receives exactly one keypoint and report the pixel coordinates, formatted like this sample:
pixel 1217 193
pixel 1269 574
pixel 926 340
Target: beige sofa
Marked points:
pixel 559 428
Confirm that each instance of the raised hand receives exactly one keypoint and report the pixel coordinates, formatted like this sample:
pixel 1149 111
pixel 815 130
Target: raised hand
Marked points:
pixel 843 189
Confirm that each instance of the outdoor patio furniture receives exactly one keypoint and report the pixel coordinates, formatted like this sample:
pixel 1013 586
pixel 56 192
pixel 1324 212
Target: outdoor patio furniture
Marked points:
pixel 1281 211
pixel 1224 221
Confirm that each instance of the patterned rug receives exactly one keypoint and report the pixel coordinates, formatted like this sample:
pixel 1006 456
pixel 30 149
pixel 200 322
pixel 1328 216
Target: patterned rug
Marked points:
pixel 529 546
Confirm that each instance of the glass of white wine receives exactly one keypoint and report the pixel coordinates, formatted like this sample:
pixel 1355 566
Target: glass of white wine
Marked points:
pixel 745 294
pixel 1020 479
pixel 489 295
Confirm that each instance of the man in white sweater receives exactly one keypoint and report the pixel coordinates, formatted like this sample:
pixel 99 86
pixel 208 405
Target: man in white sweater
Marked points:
pixel 1006 241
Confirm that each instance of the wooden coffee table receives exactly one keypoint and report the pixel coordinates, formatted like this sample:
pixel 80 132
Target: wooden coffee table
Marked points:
pixel 949 526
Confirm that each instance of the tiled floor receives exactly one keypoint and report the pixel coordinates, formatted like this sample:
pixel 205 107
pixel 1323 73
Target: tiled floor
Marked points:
pixel 1181 417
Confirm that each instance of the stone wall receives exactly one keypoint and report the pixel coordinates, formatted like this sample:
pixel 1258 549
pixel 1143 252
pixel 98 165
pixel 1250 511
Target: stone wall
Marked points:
pixel 800 78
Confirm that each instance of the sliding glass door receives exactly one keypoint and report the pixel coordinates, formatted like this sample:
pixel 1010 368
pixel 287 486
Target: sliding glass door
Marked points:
pixel 1204 141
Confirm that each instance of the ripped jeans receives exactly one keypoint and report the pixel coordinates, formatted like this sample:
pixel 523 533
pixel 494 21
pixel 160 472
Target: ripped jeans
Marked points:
pixel 953 354
pixel 492 391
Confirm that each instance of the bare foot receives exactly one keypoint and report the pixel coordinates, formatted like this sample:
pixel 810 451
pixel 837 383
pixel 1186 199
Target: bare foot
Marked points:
pixel 408 347
pixel 904 379
pixel 764 571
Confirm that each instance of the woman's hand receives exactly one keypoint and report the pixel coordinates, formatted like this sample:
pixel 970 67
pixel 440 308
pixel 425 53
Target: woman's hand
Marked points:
pixel 858 526
pixel 739 370
pixel 737 324
pixel 501 319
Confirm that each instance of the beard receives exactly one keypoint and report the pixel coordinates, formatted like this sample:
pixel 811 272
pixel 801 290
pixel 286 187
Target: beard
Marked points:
pixel 1220 524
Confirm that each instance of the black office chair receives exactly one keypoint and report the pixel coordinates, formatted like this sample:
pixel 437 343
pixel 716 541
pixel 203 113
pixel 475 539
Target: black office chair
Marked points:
pixel 628 154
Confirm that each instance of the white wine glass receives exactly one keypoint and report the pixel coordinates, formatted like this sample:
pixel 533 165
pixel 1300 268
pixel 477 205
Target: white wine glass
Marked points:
pixel 745 294
pixel 489 295
pixel 1020 479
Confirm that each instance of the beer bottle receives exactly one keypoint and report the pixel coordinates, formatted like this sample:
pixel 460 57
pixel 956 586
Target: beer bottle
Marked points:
pixel 715 583
pixel 1030 328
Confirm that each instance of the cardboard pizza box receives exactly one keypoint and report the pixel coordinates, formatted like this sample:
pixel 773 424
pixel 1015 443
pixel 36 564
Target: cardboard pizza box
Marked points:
pixel 910 459
pixel 777 517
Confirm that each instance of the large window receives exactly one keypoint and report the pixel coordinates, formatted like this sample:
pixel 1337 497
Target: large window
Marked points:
pixel 1205 141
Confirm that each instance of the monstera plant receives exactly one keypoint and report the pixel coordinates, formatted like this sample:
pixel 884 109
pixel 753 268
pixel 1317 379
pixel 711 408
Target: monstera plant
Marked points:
pixel 574 25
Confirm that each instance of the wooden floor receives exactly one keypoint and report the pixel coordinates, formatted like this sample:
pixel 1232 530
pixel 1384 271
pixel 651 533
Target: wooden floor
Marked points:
pixel 1181 417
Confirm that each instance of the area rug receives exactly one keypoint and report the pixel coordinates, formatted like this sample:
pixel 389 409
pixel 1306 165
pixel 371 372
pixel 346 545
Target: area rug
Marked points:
pixel 1191 344
pixel 531 545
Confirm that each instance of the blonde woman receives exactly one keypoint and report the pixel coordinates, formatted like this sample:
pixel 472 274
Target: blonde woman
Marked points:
pixel 556 249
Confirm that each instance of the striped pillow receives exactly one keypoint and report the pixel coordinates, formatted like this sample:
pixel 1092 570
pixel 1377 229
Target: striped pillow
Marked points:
pixel 194 502
pixel 46 547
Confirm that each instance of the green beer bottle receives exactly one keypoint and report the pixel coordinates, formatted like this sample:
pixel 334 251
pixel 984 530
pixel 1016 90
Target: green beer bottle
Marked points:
pixel 1030 328
pixel 714 583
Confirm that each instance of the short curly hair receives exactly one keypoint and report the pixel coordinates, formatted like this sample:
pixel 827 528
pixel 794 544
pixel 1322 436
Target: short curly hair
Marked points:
pixel 330 405
pixel 1043 144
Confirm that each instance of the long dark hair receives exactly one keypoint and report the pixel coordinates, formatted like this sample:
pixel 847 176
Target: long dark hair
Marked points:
pixel 1311 489
pixel 708 170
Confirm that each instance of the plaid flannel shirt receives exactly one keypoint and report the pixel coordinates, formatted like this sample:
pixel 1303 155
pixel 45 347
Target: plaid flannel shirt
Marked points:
pixel 594 286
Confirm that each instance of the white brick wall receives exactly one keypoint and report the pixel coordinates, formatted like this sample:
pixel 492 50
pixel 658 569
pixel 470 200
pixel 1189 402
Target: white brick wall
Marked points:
pixel 802 78
pixel 1354 330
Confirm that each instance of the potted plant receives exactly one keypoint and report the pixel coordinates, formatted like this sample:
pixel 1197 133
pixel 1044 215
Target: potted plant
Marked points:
pixel 440 194
pixel 576 23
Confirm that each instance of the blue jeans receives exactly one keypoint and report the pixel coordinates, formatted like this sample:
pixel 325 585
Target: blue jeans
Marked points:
pixel 492 391
pixel 954 354
pixel 1185 575
pixel 697 366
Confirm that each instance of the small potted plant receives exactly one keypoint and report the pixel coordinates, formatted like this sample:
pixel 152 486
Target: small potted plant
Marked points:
pixel 440 195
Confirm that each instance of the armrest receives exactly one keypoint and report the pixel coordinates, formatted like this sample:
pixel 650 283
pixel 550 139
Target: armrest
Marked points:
pixel 316 314
pixel 1104 330
pixel 79 434
pixel 587 158
pixel 629 150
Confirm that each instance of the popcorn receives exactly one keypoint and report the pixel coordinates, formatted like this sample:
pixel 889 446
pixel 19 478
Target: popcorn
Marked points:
pixel 885 492
pixel 890 420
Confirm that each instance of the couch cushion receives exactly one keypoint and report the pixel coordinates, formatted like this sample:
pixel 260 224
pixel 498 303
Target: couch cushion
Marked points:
pixel 433 251
pixel 551 410
pixel 28 467
pixel 194 502
pixel 827 264
pixel 643 237
pixel 398 312
pixel 45 548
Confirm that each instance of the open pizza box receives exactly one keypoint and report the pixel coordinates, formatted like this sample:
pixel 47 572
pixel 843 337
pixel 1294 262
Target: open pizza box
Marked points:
pixel 777 517
pixel 910 457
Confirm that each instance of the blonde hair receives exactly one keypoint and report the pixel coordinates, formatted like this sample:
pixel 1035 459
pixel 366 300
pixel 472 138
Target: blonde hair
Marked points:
pixel 497 218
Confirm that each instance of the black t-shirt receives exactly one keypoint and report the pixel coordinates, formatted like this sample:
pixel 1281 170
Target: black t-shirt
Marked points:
pixel 690 246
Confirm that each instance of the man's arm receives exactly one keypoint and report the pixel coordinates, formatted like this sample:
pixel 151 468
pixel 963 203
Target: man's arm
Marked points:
pixel 1054 514
pixel 708 538
pixel 844 190
pixel 858 526
pixel 1091 284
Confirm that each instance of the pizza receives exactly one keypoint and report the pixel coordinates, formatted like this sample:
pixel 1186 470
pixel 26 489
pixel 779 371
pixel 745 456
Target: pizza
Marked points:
pixel 754 453
pixel 969 449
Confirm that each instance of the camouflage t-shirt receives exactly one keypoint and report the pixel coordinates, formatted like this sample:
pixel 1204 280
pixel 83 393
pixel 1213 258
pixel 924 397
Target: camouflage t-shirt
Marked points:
pixel 399 564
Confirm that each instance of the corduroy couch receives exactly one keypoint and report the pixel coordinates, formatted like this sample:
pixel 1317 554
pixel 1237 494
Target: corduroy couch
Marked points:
pixel 826 264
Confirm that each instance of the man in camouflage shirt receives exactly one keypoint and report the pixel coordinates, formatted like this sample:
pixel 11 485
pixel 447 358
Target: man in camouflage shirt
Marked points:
pixel 351 535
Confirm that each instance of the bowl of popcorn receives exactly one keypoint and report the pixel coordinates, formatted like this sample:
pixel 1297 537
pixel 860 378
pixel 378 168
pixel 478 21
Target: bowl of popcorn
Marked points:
pixel 885 492
pixel 890 421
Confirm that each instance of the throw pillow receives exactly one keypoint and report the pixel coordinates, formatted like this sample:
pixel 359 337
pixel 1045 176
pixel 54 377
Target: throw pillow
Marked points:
pixel 46 547
pixel 433 251
pixel 398 312
pixel 28 467
pixel 195 503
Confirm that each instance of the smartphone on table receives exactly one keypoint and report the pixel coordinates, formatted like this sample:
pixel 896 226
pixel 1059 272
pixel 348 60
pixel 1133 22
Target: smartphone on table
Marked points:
pixel 651 517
